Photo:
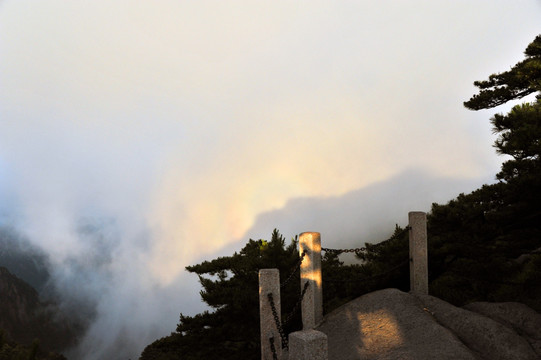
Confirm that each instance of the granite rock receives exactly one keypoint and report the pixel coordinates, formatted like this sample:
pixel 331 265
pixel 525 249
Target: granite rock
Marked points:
pixel 391 324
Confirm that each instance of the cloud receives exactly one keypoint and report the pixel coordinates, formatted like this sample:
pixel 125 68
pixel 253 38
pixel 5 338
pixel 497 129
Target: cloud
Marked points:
pixel 184 122
pixel 368 214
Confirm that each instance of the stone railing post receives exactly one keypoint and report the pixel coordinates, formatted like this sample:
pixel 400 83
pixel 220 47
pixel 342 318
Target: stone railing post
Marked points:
pixel 312 302
pixel 418 252
pixel 269 282
pixel 308 345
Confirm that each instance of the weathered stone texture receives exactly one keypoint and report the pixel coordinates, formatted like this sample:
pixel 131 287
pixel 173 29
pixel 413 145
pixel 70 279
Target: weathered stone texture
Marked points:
pixel 269 282
pixel 418 252
pixel 312 302
pixel 523 319
pixel 389 324
pixel 308 345
pixel 489 338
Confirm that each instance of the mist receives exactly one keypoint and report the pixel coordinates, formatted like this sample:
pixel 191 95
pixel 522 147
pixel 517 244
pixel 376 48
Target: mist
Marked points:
pixel 137 139
pixel 106 286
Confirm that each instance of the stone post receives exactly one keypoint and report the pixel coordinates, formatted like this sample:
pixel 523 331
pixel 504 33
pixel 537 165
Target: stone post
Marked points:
pixel 418 253
pixel 308 345
pixel 312 302
pixel 269 282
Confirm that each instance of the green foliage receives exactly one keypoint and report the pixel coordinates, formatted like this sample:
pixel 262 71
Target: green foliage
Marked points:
pixel 230 287
pixel 523 79
pixel 519 131
pixel 383 265
pixel 166 348
pixel 476 239
pixel 474 243
pixel 10 350
pixel 519 137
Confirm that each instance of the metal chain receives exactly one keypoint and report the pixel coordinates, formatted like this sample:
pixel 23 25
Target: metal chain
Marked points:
pixel 279 325
pixel 358 250
pixel 294 270
pixel 339 251
pixel 296 307
pixel 273 349
pixel 285 343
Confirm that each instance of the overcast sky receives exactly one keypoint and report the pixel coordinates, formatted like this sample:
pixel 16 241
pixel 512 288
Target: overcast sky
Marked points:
pixel 185 126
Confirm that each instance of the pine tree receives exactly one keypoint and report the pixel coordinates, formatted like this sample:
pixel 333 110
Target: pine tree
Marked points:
pixel 230 288
pixel 523 79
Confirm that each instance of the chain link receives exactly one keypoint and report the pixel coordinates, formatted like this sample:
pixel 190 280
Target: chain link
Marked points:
pixel 280 325
pixel 285 343
pixel 359 250
pixel 294 270
pixel 296 307
pixel 273 349
pixel 339 251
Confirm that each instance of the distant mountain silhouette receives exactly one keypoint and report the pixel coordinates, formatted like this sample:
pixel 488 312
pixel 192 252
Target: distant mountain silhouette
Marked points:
pixel 29 307
pixel 367 214
pixel 23 317
pixel 23 259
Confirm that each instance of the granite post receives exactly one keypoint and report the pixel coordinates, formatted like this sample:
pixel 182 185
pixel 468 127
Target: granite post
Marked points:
pixel 308 345
pixel 312 302
pixel 418 252
pixel 269 282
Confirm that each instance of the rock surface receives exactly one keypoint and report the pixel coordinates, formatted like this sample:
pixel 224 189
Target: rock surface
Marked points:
pixel 521 318
pixel 489 338
pixel 391 324
pixel 23 317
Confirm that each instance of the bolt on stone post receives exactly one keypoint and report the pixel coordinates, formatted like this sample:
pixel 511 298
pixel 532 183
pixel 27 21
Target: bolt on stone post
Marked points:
pixel 312 302
pixel 418 252
pixel 269 282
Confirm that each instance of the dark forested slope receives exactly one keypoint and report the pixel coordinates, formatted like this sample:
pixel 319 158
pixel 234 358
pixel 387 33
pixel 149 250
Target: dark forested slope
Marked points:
pixel 30 323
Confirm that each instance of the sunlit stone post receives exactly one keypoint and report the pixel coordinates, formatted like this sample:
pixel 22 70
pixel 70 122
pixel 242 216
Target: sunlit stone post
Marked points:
pixel 312 302
pixel 269 282
pixel 418 252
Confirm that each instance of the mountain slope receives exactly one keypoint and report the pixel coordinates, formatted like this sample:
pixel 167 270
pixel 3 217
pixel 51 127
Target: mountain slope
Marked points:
pixel 23 317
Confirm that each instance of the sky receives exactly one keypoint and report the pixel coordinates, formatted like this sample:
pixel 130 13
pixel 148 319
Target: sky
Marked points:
pixel 177 130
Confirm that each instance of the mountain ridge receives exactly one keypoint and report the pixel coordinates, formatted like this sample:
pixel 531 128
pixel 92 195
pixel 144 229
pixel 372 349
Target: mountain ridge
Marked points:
pixel 24 318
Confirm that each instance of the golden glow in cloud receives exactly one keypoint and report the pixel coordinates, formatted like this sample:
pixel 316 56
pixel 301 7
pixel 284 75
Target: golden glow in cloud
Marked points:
pixel 182 122
pixel 210 113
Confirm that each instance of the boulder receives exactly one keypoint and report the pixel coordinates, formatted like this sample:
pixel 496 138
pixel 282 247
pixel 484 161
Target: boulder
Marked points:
pixel 483 335
pixel 523 319
pixel 391 324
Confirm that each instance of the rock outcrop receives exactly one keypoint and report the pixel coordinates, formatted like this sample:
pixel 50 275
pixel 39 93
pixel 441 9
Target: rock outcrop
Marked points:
pixel 19 303
pixel 23 317
pixel 391 324
pixel 23 259
pixel 519 317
